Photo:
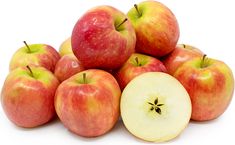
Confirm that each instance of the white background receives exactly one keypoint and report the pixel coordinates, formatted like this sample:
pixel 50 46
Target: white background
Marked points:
pixel 209 25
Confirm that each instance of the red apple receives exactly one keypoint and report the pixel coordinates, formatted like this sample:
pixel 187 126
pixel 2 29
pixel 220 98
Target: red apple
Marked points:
pixel 182 53
pixel 67 66
pixel 28 96
pixel 136 65
pixel 156 28
pixel 210 85
pixel 103 38
pixel 35 54
pixel 88 102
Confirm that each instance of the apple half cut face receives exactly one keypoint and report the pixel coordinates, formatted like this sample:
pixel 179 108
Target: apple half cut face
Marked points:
pixel 155 107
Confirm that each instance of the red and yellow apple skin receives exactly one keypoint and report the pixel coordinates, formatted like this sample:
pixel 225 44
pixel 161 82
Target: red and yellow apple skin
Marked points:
pixel 182 53
pixel 210 84
pixel 88 107
pixel 138 64
pixel 65 47
pixel 156 28
pixel 67 66
pixel 101 40
pixel 28 100
pixel 39 55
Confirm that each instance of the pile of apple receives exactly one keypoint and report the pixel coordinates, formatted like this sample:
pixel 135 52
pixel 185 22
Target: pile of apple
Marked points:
pixel 118 64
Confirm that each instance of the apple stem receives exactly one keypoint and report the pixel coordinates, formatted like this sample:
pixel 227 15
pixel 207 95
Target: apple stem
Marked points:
pixel 84 78
pixel 137 61
pixel 30 70
pixel 121 23
pixel 137 9
pixel 184 45
pixel 27 46
pixel 203 62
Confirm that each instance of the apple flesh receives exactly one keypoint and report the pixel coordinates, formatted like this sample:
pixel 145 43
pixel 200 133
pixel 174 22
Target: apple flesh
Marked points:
pixel 103 38
pixel 35 54
pixel 67 66
pixel 88 102
pixel 28 96
pixel 138 64
pixel 210 84
pixel 181 54
pixel 155 107
pixel 65 47
pixel 156 28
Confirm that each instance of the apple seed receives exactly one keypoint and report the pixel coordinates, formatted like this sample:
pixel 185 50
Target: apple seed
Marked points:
pixel 155 106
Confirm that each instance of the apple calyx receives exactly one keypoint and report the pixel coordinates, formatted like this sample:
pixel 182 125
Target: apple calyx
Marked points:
pixel 30 70
pixel 121 23
pixel 204 62
pixel 155 106
pixel 137 61
pixel 137 9
pixel 29 50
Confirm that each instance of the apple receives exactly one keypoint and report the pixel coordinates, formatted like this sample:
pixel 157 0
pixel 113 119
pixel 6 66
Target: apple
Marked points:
pixel 36 54
pixel 155 107
pixel 210 84
pixel 28 96
pixel 103 38
pixel 182 53
pixel 156 27
pixel 65 47
pixel 88 102
pixel 136 65
pixel 67 66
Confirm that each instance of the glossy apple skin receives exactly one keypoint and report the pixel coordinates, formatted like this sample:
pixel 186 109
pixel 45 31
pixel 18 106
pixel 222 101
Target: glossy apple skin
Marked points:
pixel 41 55
pixel 181 54
pixel 157 29
pixel 210 88
pixel 28 101
pixel 67 66
pixel 98 44
pixel 65 47
pixel 131 69
pixel 89 109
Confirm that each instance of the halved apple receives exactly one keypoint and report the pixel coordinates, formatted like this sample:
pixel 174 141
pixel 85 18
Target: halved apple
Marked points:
pixel 155 107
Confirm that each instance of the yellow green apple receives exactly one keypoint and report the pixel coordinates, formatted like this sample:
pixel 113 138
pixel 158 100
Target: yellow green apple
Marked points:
pixel 65 47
